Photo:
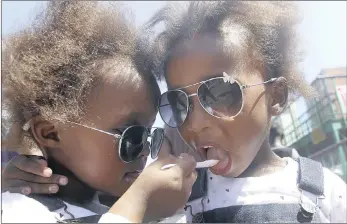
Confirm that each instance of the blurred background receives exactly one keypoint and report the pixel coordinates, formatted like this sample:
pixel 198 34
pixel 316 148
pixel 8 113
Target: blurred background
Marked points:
pixel 315 128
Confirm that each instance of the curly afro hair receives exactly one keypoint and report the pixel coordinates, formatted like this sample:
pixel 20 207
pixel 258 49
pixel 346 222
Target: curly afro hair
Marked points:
pixel 262 33
pixel 49 68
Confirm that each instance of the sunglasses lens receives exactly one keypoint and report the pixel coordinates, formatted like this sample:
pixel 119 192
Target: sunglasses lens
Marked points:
pixel 157 140
pixel 173 107
pixel 132 143
pixel 221 99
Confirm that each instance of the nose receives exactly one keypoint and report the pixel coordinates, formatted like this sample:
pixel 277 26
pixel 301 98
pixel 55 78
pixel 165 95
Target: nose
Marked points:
pixel 146 150
pixel 196 120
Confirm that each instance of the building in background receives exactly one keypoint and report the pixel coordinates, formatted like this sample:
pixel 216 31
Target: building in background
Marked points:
pixel 319 132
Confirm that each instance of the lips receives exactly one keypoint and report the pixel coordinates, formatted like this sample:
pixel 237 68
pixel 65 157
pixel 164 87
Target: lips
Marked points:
pixel 130 177
pixel 222 168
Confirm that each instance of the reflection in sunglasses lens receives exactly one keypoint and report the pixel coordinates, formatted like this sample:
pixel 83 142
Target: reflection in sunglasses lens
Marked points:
pixel 221 99
pixel 173 107
pixel 132 143
pixel 157 139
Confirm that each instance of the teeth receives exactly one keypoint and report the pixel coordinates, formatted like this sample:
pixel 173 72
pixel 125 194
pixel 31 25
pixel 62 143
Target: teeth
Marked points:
pixel 207 147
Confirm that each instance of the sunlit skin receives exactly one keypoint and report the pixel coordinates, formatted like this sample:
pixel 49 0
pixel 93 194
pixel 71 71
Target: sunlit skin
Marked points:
pixel 93 156
pixel 241 144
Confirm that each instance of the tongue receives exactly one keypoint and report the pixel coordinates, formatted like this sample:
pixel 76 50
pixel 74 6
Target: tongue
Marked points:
pixel 218 154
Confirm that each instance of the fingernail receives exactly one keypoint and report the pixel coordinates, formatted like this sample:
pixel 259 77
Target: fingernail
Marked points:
pixel 47 172
pixel 26 190
pixel 63 181
pixel 53 189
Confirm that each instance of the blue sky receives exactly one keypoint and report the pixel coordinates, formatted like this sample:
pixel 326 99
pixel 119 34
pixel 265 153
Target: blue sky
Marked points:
pixel 323 28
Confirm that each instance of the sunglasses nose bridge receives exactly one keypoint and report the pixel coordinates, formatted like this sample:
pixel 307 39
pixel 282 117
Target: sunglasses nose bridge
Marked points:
pixel 146 149
pixel 193 94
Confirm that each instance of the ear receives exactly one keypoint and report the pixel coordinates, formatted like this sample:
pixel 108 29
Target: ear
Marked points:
pixel 45 133
pixel 279 96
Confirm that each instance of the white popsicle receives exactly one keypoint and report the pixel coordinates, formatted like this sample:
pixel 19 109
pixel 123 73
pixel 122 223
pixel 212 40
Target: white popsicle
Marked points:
pixel 207 163
pixel 204 164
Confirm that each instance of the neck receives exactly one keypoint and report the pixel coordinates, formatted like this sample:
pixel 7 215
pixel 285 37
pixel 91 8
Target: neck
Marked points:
pixel 265 162
pixel 75 191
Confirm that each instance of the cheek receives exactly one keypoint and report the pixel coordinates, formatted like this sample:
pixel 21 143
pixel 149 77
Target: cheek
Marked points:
pixel 103 154
pixel 187 135
pixel 248 130
pixel 95 160
pixel 255 110
pixel 248 127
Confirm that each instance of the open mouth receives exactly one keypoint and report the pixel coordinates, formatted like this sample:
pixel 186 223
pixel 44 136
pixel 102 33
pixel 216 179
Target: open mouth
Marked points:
pixel 209 152
pixel 203 151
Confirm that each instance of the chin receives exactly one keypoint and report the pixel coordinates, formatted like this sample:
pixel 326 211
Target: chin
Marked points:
pixel 231 174
pixel 234 173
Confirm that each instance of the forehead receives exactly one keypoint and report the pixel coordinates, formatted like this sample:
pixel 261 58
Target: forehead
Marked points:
pixel 205 57
pixel 120 100
pixel 195 66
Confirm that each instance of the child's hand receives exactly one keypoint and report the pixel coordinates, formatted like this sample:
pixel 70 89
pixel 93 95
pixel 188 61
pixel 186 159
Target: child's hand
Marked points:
pixel 158 193
pixel 30 175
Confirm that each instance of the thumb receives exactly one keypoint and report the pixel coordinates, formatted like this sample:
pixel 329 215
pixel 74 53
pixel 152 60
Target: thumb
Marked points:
pixel 187 163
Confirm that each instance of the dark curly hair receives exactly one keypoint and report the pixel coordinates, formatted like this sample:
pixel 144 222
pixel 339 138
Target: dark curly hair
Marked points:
pixel 250 32
pixel 50 68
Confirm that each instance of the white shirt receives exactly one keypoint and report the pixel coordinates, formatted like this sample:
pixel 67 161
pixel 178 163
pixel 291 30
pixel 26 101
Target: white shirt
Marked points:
pixel 279 187
pixel 18 208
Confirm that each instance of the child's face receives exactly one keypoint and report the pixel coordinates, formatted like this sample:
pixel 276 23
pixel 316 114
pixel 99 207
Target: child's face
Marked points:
pixel 235 142
pixel 93 156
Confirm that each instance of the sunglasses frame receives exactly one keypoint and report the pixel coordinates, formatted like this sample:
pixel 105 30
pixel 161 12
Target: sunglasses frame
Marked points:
pixel 121 136
pixel 226 78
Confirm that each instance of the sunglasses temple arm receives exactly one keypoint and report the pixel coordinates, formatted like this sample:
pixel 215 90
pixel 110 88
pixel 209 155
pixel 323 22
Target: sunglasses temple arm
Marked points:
pixel 95 129
pixel 258 84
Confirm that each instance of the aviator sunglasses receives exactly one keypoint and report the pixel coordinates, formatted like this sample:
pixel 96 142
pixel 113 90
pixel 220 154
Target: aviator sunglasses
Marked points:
pixel 132 141
pixel 221 97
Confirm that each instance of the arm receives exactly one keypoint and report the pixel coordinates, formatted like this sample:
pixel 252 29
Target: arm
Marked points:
pixel 156 193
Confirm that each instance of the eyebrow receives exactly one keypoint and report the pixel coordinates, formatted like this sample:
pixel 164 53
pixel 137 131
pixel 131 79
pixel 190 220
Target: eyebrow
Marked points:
pixel 132 117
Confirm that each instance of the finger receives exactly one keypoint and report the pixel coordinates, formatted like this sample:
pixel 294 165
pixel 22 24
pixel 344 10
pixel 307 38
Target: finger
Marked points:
pixel 165 150
pixel 43 188
pixel 39 159
pixel 19 190
pixel 164 160
pixel 25 187
pixel 189 182
pixel 187 163
pixel 53 179
pixel 33 164
pixel 190 179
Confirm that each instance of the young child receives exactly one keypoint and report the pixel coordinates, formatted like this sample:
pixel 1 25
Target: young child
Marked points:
pixel 243 57
pixel 77 89
pixel 230 66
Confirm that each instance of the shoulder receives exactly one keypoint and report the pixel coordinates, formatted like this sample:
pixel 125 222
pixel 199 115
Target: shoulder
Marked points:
pixel 334 203
pixel 20 208
pixel 335 193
